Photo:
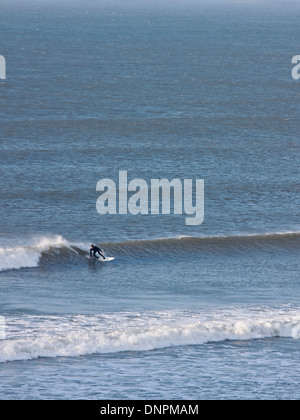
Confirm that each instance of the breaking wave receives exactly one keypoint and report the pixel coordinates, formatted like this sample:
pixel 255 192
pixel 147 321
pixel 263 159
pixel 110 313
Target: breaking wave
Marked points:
pixel 57 249
pixel 29 255
pixel 34 336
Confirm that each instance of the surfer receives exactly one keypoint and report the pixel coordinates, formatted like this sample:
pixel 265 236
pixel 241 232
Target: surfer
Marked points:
pixel 94 250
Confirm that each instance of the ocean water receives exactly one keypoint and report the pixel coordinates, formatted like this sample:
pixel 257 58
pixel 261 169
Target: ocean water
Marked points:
pixel 183 312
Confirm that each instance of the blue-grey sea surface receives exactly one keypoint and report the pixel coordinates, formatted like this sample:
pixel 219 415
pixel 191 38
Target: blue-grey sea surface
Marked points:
pixel 209 311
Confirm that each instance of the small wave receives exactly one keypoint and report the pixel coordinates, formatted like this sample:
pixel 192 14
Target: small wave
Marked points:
pixel 32 337
pixel 205 243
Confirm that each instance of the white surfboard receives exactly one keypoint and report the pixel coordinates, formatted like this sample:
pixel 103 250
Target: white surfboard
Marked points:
pixel 100 258
pixel 106 259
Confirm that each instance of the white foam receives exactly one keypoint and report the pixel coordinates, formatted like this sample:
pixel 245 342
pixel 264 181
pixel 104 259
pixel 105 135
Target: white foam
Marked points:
pixel 31 337
pixel 29 254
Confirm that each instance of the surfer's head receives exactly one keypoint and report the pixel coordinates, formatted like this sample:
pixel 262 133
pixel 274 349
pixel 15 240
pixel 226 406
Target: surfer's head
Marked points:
pixel 92 246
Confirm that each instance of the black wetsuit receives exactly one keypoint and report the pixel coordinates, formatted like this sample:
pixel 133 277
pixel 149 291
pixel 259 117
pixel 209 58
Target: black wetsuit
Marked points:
pixel 94 250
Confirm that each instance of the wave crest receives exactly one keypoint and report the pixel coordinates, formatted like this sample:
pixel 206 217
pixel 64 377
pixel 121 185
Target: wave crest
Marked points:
pixel 29 255
pixel 57 249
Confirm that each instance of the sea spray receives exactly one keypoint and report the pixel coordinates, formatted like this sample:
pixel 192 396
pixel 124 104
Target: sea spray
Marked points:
pixel 29 255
